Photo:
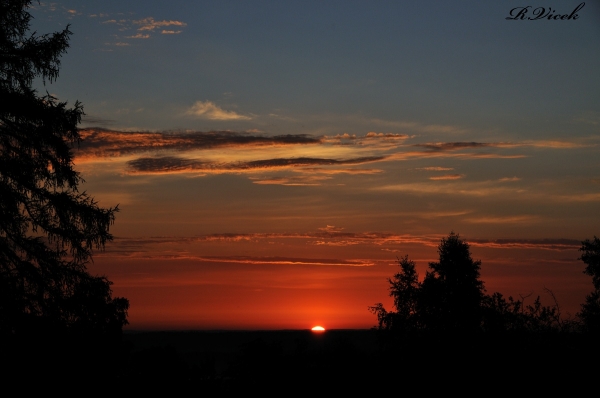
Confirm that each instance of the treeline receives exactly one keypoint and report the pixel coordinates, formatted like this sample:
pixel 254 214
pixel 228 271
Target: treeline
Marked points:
pixel 452 298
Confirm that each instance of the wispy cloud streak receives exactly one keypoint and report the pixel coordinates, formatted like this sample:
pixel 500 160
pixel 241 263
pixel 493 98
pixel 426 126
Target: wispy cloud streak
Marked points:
pixel 303 180
pixel 287 261
pixel 328 236
pixel 150 24
pixel 435 168
pixel 447 177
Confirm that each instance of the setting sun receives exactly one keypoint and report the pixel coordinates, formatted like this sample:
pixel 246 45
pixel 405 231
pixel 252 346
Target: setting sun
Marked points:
pixel 318 329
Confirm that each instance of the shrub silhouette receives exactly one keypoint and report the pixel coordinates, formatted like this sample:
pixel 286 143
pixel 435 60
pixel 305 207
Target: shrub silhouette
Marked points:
pixel 590 310
pixel 405 289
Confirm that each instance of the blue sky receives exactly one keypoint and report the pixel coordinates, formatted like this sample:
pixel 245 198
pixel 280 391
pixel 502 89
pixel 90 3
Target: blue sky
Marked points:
pixel 336 66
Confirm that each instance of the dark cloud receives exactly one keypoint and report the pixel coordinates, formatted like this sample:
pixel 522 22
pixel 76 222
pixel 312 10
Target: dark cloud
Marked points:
pixel 167 164
pixel 97 121
pixel 170 164
pixel 451 146
pixel 300 162
pixel 98 142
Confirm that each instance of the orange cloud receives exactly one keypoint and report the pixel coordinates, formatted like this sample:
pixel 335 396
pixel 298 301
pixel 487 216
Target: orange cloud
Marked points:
pixel 372 134
pixel 545 244
pixel 555 144
pixel 370 140
pixel 526 219
pixel 448 177
pixel 138 36
pixel 151 24
pixel 450 150
pixel 331 235
pixel 208 110
pixel 509 179
pixel 458 188
pixel 291 181
pixel 453 146
pixel 288 261
pixel 313 170
pixel 331 228
pixel 435 168
pixel 584 197
pixel 159 153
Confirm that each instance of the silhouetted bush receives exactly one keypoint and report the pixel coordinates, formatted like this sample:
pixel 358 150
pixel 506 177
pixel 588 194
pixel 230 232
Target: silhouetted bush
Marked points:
pixel 590 310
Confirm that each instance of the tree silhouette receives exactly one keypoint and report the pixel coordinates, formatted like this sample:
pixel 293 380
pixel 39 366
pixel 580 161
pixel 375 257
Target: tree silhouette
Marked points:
pixel 451 293
pixel 449 298
pixel 404 288
pixel 48 229
pixel 590 310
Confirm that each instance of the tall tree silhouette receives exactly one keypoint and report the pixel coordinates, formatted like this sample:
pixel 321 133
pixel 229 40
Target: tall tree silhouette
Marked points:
pixel 452 293
pixel 449 298
pixel 48 228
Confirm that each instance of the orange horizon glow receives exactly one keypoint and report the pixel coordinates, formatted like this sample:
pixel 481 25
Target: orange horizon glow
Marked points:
pixel 194 283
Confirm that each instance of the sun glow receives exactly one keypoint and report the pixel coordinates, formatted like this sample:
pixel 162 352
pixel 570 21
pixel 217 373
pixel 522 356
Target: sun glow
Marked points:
pixel 318 329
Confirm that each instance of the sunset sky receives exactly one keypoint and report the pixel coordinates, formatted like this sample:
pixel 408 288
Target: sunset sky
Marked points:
pixel 272 160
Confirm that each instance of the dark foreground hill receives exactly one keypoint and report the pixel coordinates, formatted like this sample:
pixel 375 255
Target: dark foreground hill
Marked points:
pixel 282 362
pixel 292 362
pixel 299 362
